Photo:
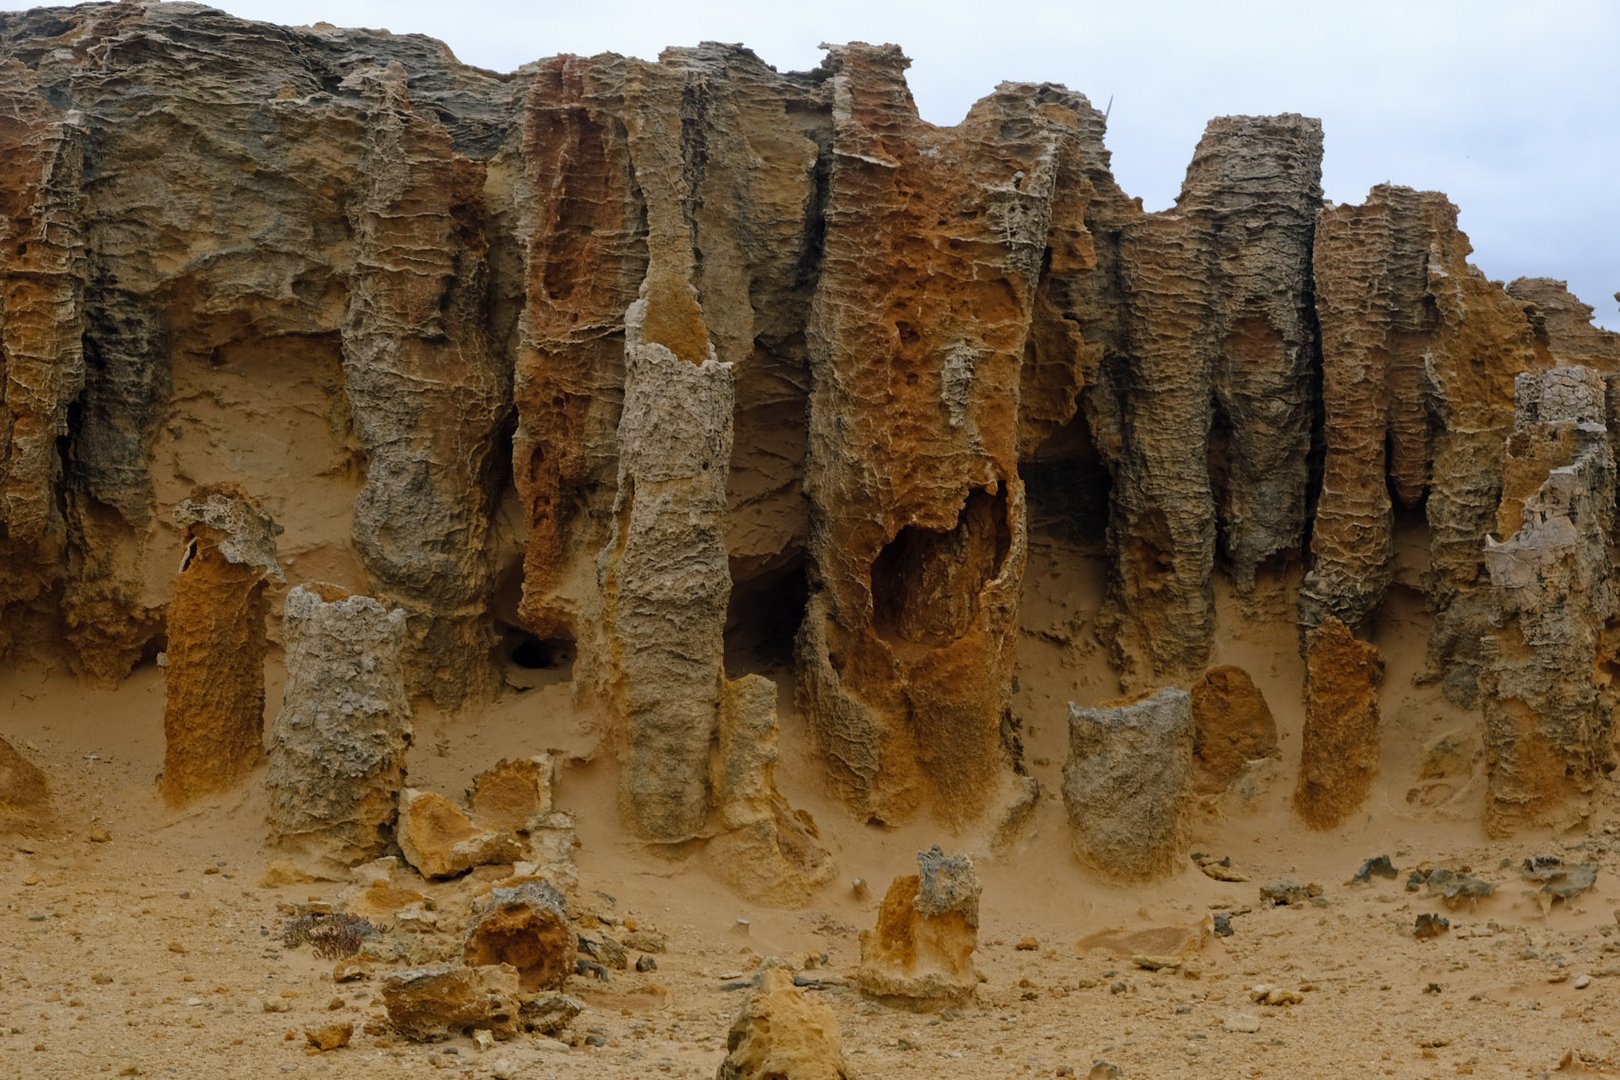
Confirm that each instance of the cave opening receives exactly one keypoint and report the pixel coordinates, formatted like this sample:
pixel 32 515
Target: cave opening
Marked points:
pixel 763 618
pixel 926 582
pixel 530 660
pixel 1068 487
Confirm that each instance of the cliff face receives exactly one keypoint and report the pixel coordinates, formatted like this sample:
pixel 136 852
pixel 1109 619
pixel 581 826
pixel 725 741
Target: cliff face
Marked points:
pixel 681 361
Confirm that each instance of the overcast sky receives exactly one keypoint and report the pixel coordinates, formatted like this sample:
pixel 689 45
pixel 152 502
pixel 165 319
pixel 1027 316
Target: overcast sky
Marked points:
pixel 1512 107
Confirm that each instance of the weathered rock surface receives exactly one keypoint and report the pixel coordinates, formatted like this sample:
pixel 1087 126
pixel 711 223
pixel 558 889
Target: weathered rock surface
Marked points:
pixel 1232 726
pixel 1126 784
pixel 438 1002
pixel 921 952
pixel 525 926
pixel 775 360
pixel 781 1032
pixel 765 849
pixel 1339 753
pixel 438 838
pixel 337 749
pixel 213 714
pixel 24 793
pixel 512 793
pixel 1548 728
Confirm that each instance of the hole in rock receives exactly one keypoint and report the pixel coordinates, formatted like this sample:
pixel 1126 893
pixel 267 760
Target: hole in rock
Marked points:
pixel 531 660
pixel 763 618
pixel 1067 486
pixel 926 582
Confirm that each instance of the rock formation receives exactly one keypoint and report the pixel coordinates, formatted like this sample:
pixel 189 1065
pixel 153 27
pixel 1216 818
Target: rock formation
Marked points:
pixel 527 927
pixel 1232 726
pixel 1339 753
pixel 24 793
pixel 441 1001
pixel 920 954
pixel 780 1032
pixel 438 838
pixel 1126 784
pixel 337 749
pixel 213 717
pixel 1548 733
pixel 688 362
pixel 765 850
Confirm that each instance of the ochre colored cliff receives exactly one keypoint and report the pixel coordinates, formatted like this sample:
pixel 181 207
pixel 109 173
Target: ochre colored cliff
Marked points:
pixel 704 371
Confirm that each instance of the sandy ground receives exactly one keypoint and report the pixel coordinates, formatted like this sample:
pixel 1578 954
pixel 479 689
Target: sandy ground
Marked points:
pixel 156 952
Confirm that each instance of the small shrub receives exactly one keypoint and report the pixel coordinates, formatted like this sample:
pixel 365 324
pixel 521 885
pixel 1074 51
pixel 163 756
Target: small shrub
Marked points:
pixel 330 936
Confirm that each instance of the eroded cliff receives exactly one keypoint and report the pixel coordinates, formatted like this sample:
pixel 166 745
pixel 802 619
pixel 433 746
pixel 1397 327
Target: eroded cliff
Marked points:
pixel 704 370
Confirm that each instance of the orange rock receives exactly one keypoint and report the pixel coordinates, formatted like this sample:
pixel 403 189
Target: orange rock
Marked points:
pixel 24 794
pixel 1232 726
pixel 921 951
pixel 527 927
pixel 1339 753
pixel 440 840
pixel 213 717
pixel 781 1032
pixel 508 795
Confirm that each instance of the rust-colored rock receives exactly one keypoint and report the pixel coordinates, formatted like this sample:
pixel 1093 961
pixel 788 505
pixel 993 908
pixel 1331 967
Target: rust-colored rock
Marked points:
pixel 920 954
pixel 918 329
pixel 526 927
pixel 1339 753
pixel 431 1004
pixel 1232 726
pixel 1548 732
pixel 24 793
pixel 213 715
pixel 781 1032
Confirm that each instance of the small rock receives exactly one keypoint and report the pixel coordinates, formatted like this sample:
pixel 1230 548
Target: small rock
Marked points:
pixel 1104 1070
pixel 483 1038
pixel 780 1032
pixel 1222 925
pixel 859 889
pixel 1582 982
pixel 647 941
pixel 329 1036
pixel 100 836
pixel 1377 866
pixel 645 963
pixel 1430 925
pixel 1246 1023
pixel 1289 893
pixel 1027 944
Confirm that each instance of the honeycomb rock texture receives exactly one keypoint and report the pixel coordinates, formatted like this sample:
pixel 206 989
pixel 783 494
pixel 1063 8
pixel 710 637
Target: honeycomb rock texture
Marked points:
pixel 696 370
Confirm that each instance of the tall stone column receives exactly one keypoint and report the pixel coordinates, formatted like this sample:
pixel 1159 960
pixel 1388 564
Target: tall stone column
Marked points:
pixel 213 717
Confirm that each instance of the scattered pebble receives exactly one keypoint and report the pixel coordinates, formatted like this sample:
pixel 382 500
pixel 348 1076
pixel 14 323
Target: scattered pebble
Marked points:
pixel 1245 1023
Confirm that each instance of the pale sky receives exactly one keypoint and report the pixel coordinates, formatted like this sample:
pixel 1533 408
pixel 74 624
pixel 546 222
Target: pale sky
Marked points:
pixel 1511 108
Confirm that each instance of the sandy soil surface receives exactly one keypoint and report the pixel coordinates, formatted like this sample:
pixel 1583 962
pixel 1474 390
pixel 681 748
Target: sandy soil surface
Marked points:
pixel 138 941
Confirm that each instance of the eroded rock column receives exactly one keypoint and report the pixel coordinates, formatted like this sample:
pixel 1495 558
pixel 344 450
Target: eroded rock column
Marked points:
pixel 213 717
pixel 427 391
pixel 1127 784
pixel 1547 726
pixel 337 751
pixel 1339 753
pixel 918 329
pixel 41 333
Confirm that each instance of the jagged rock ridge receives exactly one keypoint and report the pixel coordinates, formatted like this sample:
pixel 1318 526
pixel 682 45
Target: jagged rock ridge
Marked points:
pixel 672 360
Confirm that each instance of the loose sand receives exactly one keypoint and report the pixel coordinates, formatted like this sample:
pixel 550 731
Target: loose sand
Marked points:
pixel 157 951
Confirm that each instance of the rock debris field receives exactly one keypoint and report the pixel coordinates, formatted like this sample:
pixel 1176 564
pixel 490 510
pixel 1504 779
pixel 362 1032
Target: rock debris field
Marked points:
pixel 633 568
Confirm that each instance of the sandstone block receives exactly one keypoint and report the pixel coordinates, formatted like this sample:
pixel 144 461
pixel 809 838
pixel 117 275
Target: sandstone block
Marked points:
pixel 213 716
pixel 440 840
pixel 1339 753
pixel 526 927
pixel 765 850
pixel 1126 784
pixel 781 1032
pixel 24 794
pixel 921 952
pixel 337 750
pixel 1232 726
pixel 510 795
pixel 438 1002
